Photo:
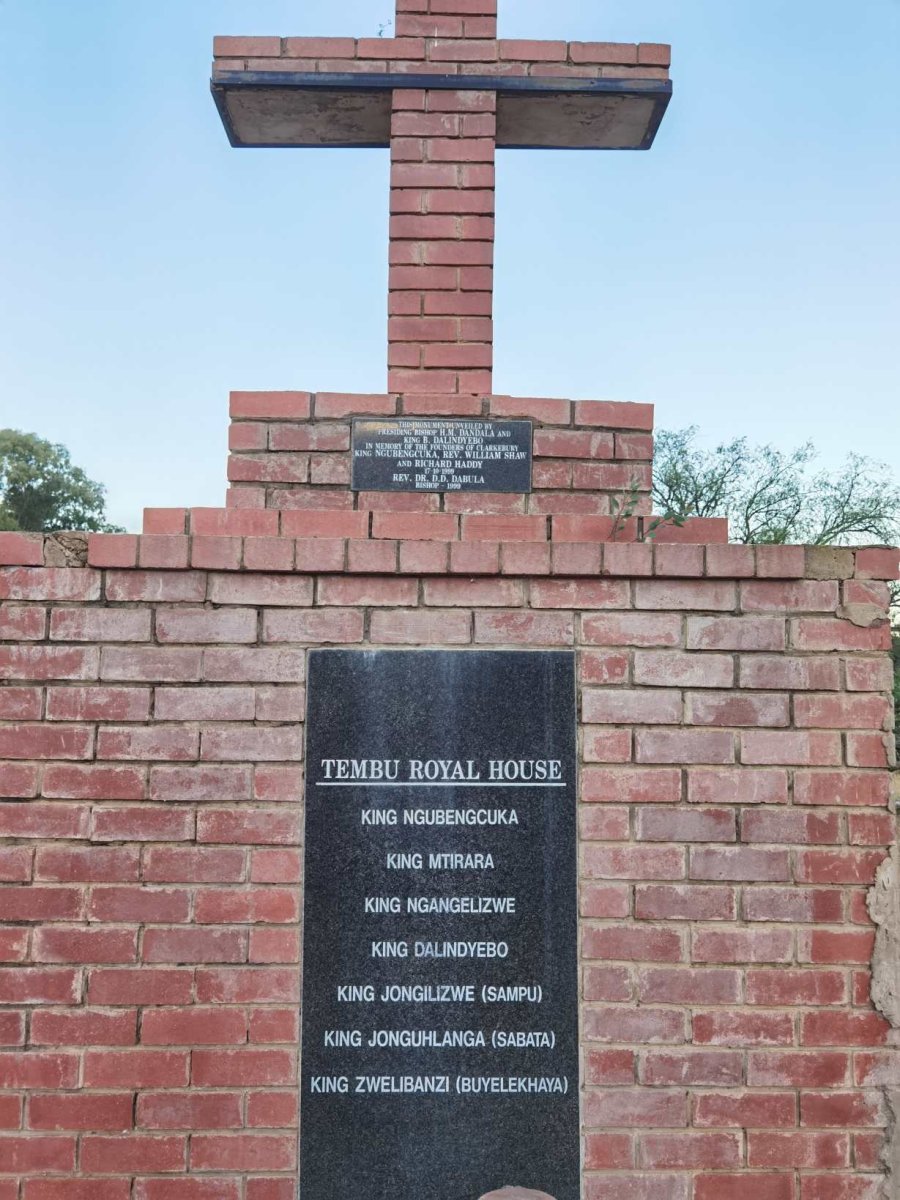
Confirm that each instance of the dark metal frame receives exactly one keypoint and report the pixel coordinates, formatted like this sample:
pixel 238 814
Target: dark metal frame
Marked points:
pixel 226 81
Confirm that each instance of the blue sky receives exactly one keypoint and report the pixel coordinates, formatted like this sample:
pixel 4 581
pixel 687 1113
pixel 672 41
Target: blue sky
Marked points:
pixel 743 275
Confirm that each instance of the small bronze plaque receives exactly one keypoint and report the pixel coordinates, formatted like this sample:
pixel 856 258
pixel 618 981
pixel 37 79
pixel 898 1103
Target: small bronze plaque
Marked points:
pixel 406 454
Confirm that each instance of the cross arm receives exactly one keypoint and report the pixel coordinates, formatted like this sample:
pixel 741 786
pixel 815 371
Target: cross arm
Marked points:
pixel 333 92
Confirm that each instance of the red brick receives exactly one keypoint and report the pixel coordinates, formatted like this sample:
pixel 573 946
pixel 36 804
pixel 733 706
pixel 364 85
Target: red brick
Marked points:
pixel 263 405
pixel 325 523
pixel 89 1111
pixel 525 558
pixel 684 902
pixel 411 627
pixel 140 985
pixel 86 864
pixel 36 1155
pixel 531 628
pixel 790 748
pixel 634 862
pixel 685 594
pixel 331 405
pixel 189 1110
pixel 635 559
pixel 141 1068
pixel 42 904
pixel 743 1029
pixel 780 562
pixel 193 1027
pixel 684 746
pixel 165 551
pixel 743 945
pixel 290 590
pixel 470 592
pixel 792 904
pixel 195 1187
pixel 132 1153
pixel 835 946
pixel 824 633
pixel 735 633
pixel 798 1150
pixel 22 549
pixel 547 412
pixel 365 557
pixel 876 562
pixel 38 985
pixel 20 703
pixel 798 1068
pixel 746 1110
pixel 709 1068
pixel 375 591
pixel 417 557
pixel 36 1069
pixel 250 665
pixel 606 745
pixel 98 704
pixel 36 820
pixel 268 554
pixel 576 558
pixel 622 706
pixel 183 587
pixel 695 985
pixel 608 1151
pixel 753 709
pixel 15 864
pixel 282 744
pixel 139 903
pixel 633 944
pixel 36 663
pixel 635 1107
pixel 504 528
pixel 868 674
pixel 579 593
pixel 190 864
pixel 275 866
pixel 674 668
pixel 710 1151
pixel 572 443
pixel 666 824
pixel 150 663
pixel 593 529
pixel 257 826
pixel 740 863
pixel 244 1152
pixel 605 667
pixel 744 1187
pixel 612 415
pixel 630 785
pixel 805 595
pixel 843 1029
pixel 23 624
pixel 790 826
pixel 631 629
pixel 67 944
pixel 49 583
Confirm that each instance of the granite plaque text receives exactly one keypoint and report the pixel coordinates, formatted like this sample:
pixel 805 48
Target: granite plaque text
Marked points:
pixel 440 1026
pixel 408 454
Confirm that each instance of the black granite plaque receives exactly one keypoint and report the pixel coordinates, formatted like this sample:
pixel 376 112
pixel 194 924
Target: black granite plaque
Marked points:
pixel 440 1031
pixel 406 454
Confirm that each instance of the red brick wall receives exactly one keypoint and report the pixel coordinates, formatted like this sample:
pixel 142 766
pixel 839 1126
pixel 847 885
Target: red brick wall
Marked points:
pixel 734 808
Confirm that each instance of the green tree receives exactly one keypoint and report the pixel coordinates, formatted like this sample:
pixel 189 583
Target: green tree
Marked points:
pixel 42 490
pixel 775 496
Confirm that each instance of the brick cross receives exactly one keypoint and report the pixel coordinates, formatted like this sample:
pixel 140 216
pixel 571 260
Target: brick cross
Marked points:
pixel 444 94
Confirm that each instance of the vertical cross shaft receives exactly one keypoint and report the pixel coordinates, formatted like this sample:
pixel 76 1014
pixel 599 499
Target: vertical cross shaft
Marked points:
pixel 442 93
pixel 440 334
